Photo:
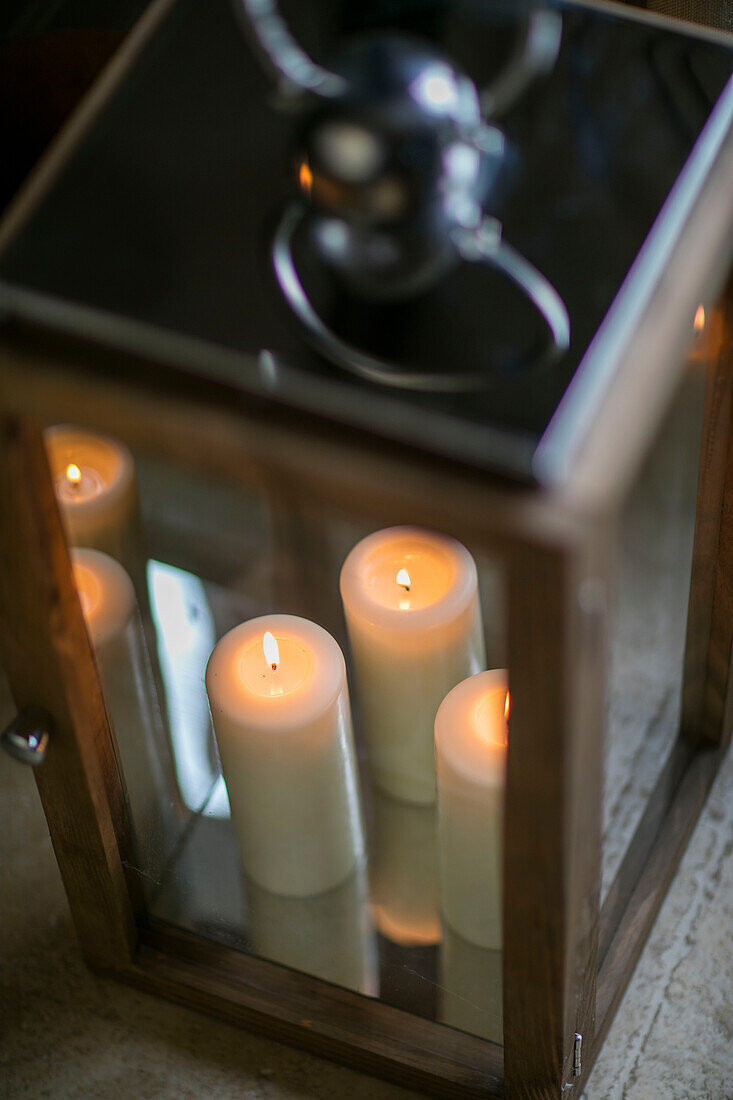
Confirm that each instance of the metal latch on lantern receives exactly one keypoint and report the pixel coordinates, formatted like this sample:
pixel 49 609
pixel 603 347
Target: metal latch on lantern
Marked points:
pixel 27 736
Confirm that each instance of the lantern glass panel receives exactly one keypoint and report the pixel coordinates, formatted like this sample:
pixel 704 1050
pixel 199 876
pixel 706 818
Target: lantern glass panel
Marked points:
pixel 650 594
pixel 213 556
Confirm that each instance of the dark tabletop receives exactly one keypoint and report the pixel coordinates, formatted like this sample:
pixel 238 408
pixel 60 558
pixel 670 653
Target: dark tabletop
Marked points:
pixel 165 212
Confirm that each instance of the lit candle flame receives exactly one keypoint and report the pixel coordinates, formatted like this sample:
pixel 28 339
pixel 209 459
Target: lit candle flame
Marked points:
pixel 272 652
pixel 73 475
pixel 305 177
pixel 403 578
pixel 699 323
pixel 507 706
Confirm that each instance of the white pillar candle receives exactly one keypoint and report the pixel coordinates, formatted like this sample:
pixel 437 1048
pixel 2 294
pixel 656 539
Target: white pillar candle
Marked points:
pixel 280 706
pixel 411 604
pixel 403 871
pixel 96 491
pixel 113 622
pixel 94 479
pixel 328 935
pixel 470 757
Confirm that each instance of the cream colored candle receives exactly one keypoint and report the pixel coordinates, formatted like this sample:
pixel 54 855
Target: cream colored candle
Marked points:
pixel 470 757
pixel 113 622
pixel 280 706
pixel 96 490
pixel 328 935
pixel 411 603
pixel 94 478
pixel 403 870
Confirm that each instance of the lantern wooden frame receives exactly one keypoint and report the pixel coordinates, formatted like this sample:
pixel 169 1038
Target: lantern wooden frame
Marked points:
pixel 564 974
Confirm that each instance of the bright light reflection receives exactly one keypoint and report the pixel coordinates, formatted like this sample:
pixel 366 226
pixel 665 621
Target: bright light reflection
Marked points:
pixel 305 177
pixel 699 323
pixel 271 649
pixel 435 89
pixel 186 635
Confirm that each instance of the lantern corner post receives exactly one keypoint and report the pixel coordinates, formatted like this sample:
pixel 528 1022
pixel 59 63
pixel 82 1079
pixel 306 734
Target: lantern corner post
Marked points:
pixel 51 670
pixel 552 852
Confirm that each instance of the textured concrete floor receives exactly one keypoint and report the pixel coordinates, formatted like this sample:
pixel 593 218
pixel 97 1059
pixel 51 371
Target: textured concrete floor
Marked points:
pixel 65 1033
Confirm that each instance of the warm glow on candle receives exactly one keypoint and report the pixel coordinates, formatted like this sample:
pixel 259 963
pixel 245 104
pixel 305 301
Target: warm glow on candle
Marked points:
pixel 87 587
pixel 471 737
pixel 305 177
pixel 491 727
pixel 411 603
pixel 286 666
pixel 73 475
pixel 699 322
pixel 272 652
pixel 507 706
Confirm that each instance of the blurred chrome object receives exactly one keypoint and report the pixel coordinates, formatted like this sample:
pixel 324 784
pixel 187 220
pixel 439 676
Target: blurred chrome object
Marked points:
pixel 395 162
pixel 482 245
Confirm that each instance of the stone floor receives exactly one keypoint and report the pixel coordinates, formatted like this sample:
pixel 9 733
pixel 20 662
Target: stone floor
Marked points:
pixel 65 1033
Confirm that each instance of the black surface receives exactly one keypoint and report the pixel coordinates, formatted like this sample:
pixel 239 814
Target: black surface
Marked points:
pixel 166 211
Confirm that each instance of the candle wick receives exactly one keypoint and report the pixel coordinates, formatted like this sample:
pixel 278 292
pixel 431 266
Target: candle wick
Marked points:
pixel 403 579
pixel 273 666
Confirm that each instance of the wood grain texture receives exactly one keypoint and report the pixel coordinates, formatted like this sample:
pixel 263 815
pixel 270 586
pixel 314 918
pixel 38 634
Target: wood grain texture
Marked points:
pixel 325 1019
pixel 710 612
pixel 552 827
pixel 215 431
pixel 49 664
pixel 715 728
pixel 713 462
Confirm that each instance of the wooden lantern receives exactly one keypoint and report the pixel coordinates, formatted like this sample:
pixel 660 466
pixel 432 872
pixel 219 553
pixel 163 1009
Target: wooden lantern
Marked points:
pixel 567 958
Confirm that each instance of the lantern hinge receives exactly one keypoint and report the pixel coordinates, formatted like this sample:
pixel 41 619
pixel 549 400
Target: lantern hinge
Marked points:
pixel 577 1044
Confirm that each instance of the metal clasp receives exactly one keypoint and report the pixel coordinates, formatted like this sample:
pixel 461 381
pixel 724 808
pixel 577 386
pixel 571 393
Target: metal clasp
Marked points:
pixel 27 736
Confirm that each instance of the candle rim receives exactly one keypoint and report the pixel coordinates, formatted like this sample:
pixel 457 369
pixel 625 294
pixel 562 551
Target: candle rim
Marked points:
pixel 456 726
pixel 452 603
pixel 278 714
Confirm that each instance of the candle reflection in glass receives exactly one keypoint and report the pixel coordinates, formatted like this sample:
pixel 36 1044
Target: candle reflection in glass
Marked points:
pixel 94 479
pixel 113 622
pixel 708 328
pixel 328 935
pixel 403 871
